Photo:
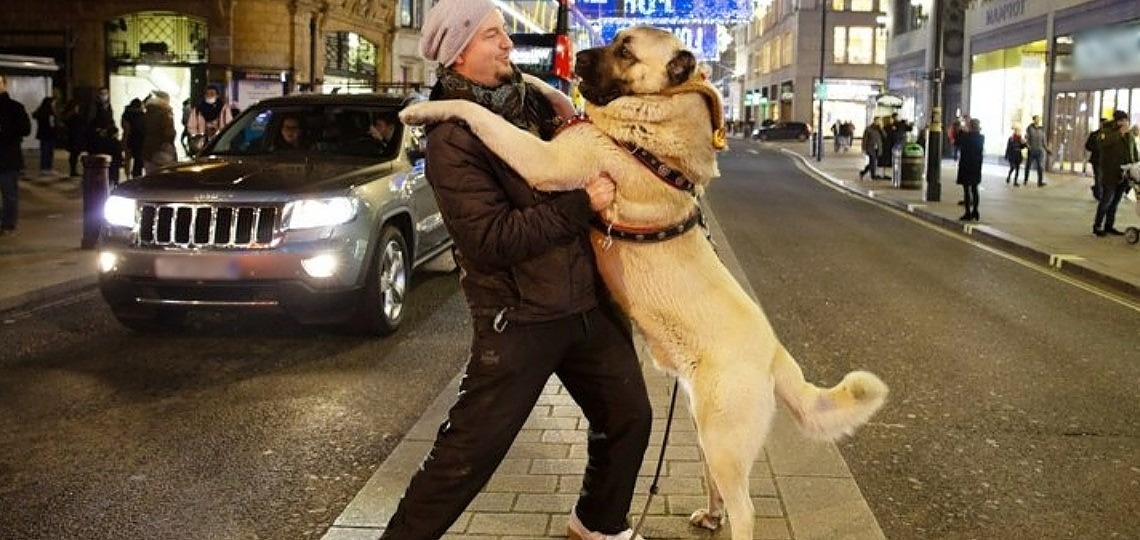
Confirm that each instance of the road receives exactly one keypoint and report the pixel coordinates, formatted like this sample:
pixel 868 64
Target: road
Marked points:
pixel 236 428
pixel 1013 411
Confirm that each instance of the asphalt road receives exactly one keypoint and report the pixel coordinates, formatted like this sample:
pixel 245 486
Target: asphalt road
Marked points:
pixel 238 427
pixel 1014 411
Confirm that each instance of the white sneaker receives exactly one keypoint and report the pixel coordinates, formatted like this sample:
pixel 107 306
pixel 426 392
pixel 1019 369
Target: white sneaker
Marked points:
pixel 576 531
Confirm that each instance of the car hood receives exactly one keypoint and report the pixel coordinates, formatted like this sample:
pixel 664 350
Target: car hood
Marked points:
pixel 259 174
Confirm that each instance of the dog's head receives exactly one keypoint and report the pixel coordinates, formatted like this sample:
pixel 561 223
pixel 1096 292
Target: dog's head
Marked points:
pixel 640 60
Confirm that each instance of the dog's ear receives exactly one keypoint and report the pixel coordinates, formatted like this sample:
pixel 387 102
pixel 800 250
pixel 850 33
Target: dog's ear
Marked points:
pixel 681 67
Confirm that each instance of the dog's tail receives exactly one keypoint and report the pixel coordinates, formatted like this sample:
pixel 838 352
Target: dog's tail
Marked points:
pixel 827 413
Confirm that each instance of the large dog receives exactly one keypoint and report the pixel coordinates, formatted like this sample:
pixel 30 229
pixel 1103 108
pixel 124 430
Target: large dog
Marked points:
pixel 644 96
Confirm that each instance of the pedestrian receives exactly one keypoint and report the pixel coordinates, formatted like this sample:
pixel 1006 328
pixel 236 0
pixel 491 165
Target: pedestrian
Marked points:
pixel 835 140
pixel 1013 148
pixel 872 144
pixel 207 117
pixel 99 115
pixel 536 303
pixel 47 124
pixel 970 145
pixel 952 135
pixel 846 133
pixel 158 132
pixel 107 142
pixel 14 126
pixel 133 135
pixel 1036 141
pixel 1117 148
pixel 76 136
pixel 1092 145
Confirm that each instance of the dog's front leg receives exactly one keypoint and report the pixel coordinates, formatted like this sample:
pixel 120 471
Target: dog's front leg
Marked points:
pixel 562 164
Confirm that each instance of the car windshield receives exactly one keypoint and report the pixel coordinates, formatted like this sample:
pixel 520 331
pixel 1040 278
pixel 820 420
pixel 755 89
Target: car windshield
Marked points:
pixel 340 130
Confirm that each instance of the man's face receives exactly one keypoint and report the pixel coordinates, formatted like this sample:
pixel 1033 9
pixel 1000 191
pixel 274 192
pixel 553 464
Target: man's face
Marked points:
pixel 211 94
pixel 291 131
pixel 1036 120
pixel 1122 124
pixel 487 58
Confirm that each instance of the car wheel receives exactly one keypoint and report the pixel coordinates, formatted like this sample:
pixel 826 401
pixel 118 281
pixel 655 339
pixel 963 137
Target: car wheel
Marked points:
pixel 386 285
pixel 150 318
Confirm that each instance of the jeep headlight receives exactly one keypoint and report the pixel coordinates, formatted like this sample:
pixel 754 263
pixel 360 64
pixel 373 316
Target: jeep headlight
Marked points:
pixel 119 211
pixel 311 213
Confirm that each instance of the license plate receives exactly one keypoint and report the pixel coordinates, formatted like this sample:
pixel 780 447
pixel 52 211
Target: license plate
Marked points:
pixel 196 268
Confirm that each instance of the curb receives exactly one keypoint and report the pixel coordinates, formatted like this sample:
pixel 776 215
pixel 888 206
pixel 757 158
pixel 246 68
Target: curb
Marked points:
pixel 987 235
pixel 44 295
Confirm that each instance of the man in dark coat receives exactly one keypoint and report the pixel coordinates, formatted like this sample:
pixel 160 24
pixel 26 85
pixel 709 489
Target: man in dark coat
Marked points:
pixel 537 304
pixel 971 143
pixel 14 126
pixel 1117 148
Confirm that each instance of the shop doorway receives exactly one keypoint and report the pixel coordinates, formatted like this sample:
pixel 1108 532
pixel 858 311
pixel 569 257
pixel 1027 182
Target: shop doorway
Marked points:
pixel 139 81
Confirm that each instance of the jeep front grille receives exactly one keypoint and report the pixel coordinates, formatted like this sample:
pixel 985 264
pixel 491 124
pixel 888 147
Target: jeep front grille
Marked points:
pixel 207 225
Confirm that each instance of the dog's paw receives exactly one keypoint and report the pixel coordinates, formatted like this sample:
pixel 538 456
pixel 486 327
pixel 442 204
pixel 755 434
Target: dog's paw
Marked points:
pixel 705 520
pixel 417 114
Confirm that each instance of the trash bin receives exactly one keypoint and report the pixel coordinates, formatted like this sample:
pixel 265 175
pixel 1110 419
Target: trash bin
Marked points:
pixel 95 188
pixel 912 167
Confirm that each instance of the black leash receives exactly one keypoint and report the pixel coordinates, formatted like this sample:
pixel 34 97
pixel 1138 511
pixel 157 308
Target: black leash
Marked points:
pixel 660 460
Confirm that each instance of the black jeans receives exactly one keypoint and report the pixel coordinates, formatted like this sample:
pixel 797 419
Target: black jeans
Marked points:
pixel 970 198
pixel 1035 156
pixel 594 357
pixel 1106 206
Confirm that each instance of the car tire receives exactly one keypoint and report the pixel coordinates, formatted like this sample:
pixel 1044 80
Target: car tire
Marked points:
pixel 150 318
pixel 381 308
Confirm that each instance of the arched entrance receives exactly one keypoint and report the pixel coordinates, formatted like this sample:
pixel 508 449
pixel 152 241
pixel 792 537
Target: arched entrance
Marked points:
pixel 156 50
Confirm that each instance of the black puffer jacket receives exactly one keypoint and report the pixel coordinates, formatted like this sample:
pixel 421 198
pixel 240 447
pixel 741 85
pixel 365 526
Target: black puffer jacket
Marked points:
pixel 520 249
pixel 14 126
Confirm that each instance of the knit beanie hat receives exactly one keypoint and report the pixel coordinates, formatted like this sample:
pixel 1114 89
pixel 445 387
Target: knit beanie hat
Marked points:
pixel 449 27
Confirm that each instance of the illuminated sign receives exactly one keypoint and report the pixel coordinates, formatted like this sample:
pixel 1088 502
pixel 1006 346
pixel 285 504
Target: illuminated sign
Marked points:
pixel 697 37
pixel 700 10
pixel 533 59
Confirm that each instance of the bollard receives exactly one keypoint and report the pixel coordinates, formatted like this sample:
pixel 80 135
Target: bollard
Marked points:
pixel 95 190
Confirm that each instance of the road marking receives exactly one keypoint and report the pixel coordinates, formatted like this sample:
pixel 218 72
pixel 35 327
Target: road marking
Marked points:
pixel 1059 259
pixel 912 207
pixel 969 228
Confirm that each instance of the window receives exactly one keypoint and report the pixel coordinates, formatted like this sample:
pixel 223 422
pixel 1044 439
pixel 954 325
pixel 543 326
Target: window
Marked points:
pixel 409 15
pixel 862 5
pixel 881 46
pixel 839 45
pixel 860 45
pixel 837 5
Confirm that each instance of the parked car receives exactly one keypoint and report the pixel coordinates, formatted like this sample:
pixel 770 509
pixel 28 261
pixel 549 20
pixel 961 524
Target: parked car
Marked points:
pixel 297 205
pixel 782 131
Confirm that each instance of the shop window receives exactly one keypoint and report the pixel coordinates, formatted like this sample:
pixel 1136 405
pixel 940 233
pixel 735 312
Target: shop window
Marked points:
pixel 837 5
pixel 862 5
pixel 860 45
pixel 156 37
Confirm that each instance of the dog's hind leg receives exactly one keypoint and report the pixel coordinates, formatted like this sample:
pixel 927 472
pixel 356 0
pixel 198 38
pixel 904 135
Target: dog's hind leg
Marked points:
pixel 733 417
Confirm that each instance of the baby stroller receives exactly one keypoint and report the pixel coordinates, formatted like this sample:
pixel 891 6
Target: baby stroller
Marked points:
pixel 1132 176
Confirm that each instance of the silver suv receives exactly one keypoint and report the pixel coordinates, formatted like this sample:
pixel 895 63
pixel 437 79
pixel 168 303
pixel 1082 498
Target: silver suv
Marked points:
pixel 313 204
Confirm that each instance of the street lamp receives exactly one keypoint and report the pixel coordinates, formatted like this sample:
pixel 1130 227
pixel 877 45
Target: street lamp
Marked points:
pixel 934 134
pixel 821 90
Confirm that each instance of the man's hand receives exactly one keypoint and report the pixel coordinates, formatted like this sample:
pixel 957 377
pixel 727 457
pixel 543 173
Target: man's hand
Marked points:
pixel 600 188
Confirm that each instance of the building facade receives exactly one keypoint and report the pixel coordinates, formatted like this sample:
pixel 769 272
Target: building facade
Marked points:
pixel 783 49
pixel 1071 62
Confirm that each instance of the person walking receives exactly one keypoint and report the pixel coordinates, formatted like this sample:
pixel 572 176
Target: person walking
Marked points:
pixel 1117 148
pixel 158 132
pixel 76 136
pixel 872 144
pixel 970 145
pixel 1013 147
pixel 46 128
pixel 1035 140
pixel 133 136
pixel 14 126
pixel 529 277
pixel 207 117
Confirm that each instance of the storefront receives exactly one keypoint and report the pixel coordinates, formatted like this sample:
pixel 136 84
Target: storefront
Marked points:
pixel 1097 71
pixel 848 100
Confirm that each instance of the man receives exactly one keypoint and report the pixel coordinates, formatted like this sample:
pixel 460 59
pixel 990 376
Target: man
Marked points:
pixel 872 145
pixel 537 306
pixel 382 129
pixel 206 118
pixel 1035 140
pixel 1117 148
pixel 1092 145
pixel 289 138
pixel 14 126
pixel 158 132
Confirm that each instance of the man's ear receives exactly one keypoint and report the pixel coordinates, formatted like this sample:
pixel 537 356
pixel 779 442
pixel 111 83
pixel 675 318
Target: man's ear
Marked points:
pixel 681 67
